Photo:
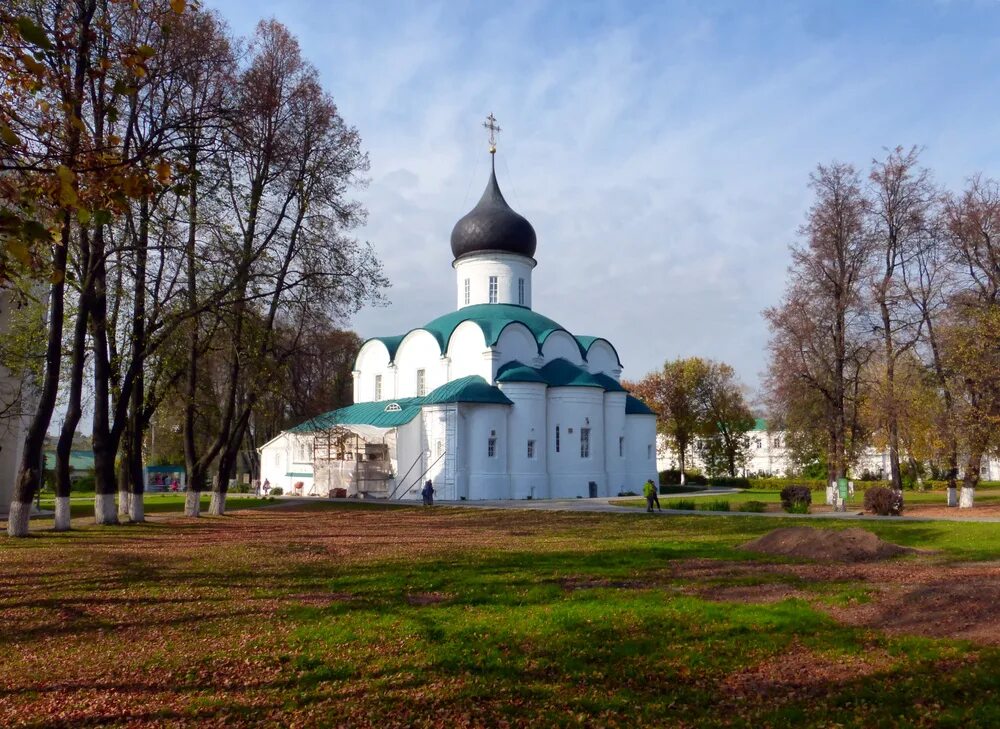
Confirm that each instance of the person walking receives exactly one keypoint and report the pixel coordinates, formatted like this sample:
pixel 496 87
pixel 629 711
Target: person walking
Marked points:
pixel 428 493
pixel 649 491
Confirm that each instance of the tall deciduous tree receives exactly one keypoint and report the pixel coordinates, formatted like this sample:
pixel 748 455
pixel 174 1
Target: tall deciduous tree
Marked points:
pixel 727 421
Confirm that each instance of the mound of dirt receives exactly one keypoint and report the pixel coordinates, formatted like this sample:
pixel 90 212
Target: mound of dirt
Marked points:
pixel 828 545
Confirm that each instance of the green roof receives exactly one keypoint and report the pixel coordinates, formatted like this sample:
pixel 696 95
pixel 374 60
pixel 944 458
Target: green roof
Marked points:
pixel 635 406
pixel 760 424
pixel 557 373
pixel 587 342
pixel 492 320
pixel 394 413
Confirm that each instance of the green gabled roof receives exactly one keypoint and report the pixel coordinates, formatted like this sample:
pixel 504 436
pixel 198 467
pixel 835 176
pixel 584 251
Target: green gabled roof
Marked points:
pixel 492 319
pixel 399 412
pixel 394 413
pixel 635 406
pixel 760 424
pixel 557 373
pixel 467 389
pixel 78 460
pixel 586 342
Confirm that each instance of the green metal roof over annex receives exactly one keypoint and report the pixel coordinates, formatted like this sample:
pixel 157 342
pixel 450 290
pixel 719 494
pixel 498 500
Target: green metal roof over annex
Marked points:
pixel 635 406
pixel 394 413
pixel 492 319
pixel 557 373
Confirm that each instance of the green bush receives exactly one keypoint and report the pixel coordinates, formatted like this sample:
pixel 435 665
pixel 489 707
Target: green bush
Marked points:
pixel 796 499
pixel 84 483
pixel 776 484
pixel 717 505
pixel 737 482
pixel 240 488
pixel 755 507
pixel 276 491
pixel 685 505
pixel 883 501
pixel 676 489
pixel 691 478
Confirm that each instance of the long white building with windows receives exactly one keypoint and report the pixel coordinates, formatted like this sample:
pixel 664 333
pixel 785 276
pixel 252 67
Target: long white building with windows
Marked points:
pixel 490 401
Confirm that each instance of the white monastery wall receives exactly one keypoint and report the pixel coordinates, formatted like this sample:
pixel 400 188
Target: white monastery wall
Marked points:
pixel 373 360
pixel 508 269
pixel 528 476
pixel 289 453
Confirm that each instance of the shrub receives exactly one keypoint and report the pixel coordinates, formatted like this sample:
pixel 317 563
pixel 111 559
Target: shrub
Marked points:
pixel 276 491
pixel 629 493
pixel 884 502
pixel 776 484
pixel 240 488
pixel 685 505
pixel 673 476
pixel 676 489
pixel 731 482
pixel 718 505
pixel 755 507
pixel 796 499
pixel 84 483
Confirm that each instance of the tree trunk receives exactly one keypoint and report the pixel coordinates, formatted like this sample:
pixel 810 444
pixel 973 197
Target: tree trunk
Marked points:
pixel 972 465
pixel 29 474
pixel 105 447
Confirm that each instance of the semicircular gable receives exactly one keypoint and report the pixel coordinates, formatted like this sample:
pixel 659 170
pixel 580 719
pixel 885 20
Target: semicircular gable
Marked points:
pixel 418 345
pixel 373 353
pixel 465 350
pixel 516 341
pixel 560 344
pixel 602 356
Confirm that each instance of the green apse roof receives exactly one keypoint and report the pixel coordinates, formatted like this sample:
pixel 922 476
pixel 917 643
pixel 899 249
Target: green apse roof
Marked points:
pixel 394 413
pixel 635 406
pixel 557 373
pixel 760 424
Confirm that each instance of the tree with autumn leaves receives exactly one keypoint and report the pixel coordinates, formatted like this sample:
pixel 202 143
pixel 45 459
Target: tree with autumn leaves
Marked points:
pixel 168 184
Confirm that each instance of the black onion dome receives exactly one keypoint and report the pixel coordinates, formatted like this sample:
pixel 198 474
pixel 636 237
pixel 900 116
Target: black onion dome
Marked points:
pixel 493 226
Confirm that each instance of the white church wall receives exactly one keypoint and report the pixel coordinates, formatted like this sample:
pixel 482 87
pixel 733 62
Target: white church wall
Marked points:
pixel 488 474
pixel 571 409
pixel 601 357
pixel 516 343
pixel 640 442
pixel 526 422
pixel 468 353
pixel 561 345
pixel 372 361
pixel 286 460
pixel 419 350
pixel 615 443
pixel 508 268
pixel 439 427
pixel 409 461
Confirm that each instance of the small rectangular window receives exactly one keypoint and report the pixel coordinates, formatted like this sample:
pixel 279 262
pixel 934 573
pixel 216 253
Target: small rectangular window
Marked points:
pixel 621 447
pixel 493 289
pixel 584 442
pixel 649 452
pixel 520 291
pixel 491 448
pixel 378 387
pixel 557 439
pixel 531 449
pixel 421 384
pixel 468 292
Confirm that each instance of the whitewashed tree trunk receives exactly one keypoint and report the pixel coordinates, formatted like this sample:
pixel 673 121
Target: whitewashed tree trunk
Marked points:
pixel 192 504
pixel 952 497
pixel 62 514
pixel 105 509
pixel 967 498
pixel 18 519
pixel 137 508
pixel 124 503
pixel 217 506
pixel 831 498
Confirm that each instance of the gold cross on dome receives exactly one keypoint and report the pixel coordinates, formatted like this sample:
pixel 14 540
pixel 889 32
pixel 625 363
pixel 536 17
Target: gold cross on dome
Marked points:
pixel 491 124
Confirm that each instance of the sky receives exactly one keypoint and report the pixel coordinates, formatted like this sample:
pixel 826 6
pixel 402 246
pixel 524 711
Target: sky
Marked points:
pixel 661 150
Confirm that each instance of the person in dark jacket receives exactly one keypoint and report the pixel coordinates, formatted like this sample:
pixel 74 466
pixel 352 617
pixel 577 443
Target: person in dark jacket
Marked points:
pixel 428 493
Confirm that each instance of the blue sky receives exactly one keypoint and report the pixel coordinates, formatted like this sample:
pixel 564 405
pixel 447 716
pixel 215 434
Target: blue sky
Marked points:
pixel 661 150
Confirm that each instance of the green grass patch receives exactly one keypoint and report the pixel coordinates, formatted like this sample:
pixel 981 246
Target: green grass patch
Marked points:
pixel 713 505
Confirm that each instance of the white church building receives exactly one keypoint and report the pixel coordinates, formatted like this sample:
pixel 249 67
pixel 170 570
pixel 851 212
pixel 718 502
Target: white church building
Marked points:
pixel 490 401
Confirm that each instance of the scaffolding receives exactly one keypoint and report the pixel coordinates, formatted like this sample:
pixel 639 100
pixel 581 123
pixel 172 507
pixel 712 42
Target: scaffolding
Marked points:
pixel 353 461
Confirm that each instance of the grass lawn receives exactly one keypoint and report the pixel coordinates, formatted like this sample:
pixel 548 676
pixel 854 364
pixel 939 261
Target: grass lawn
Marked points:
pixel 357 615
pixel 910 498
pixel 82 503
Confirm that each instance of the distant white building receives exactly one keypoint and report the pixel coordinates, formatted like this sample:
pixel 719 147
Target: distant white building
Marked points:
pixel 490 401
pixel 770 456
